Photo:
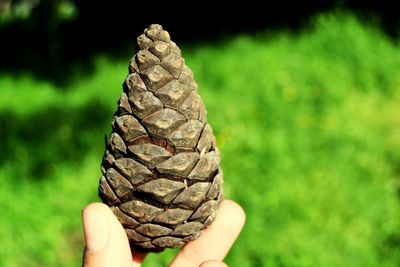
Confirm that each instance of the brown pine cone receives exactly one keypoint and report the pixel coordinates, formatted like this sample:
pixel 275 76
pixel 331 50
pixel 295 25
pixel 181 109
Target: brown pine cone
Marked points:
pixel 161 174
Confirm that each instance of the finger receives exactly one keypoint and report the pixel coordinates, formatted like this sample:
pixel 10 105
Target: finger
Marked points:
pixel 106 241
pixel 215 242
pixel 213 264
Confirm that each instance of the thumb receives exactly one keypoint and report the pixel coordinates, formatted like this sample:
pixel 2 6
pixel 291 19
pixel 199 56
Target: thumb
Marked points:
pixel 106 241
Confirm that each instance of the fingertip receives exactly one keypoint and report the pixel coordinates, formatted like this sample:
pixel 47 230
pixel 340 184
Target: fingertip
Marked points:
pixel 103 210
pixel 94 208
pixel 96 227
pixel 235 210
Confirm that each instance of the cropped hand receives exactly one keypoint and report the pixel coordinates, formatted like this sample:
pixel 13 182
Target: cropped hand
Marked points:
pixel 107 244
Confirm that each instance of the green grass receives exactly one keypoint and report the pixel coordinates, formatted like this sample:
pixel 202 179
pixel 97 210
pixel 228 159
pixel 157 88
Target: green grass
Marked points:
pixel 308 126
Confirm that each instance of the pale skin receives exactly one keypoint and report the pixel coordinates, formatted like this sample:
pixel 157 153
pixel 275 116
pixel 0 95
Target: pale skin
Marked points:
pixel 107 244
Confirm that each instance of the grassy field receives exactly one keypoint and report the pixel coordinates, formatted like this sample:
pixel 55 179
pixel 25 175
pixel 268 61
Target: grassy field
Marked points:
pixel 308 125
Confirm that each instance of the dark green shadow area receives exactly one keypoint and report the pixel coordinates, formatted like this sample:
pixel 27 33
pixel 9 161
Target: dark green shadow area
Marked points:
pixel 60 135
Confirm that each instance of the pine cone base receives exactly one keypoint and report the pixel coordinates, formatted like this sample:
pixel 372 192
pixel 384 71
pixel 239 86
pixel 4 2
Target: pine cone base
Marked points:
pixel 161 172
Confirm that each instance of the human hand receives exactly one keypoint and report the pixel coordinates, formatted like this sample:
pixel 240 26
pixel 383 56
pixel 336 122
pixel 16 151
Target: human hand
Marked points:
pixel 107 244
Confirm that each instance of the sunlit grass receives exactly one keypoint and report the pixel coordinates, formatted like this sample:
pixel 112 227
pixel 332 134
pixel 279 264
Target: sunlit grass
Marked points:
pixel 309 130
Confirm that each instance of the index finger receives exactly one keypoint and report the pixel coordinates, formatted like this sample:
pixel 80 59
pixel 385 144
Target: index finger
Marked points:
pixel 216 240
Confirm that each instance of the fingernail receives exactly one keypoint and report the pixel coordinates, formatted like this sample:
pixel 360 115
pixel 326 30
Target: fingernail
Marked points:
pixel 95 228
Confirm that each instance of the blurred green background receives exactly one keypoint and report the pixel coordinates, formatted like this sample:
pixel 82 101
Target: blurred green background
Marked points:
pixel 307 119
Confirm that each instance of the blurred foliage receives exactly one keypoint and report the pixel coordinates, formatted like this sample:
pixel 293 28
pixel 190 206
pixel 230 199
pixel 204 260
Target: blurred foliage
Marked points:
pixel 17 10
pixel 11 11
pixel 308 126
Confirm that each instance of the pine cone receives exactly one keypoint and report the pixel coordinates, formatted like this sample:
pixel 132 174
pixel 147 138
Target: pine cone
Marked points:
pixel 161 174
